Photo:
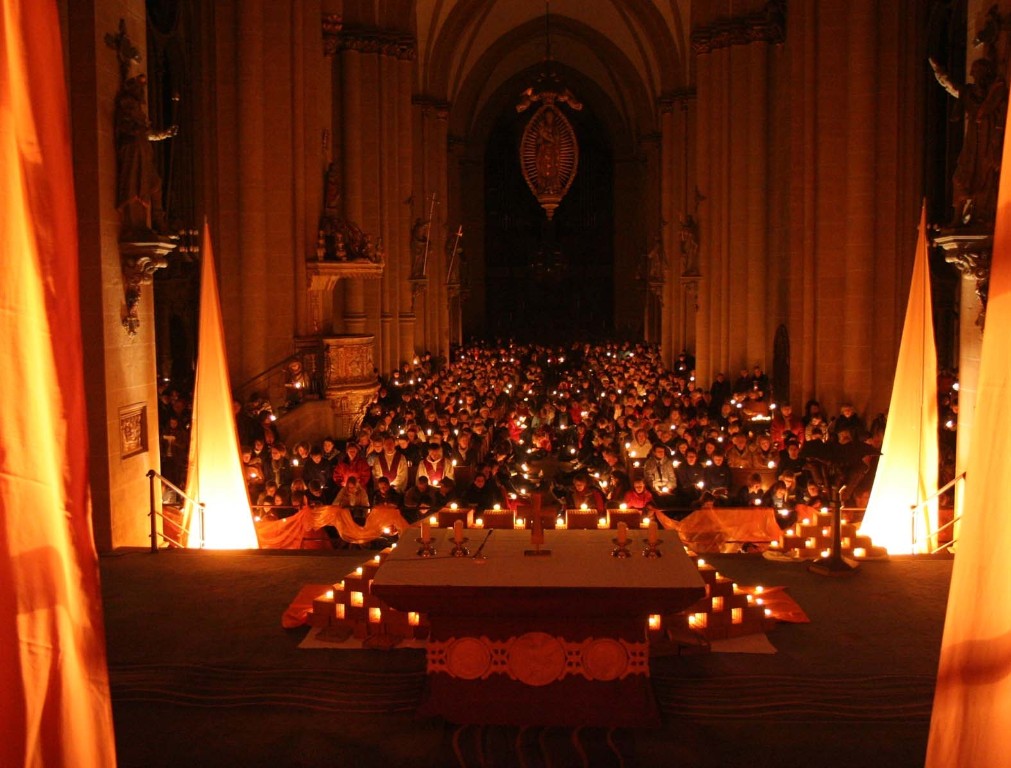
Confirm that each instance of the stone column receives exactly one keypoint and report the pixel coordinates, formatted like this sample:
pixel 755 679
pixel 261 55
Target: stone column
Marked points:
pixel 252 210
pixel 352 159
pixel 405 158
pixel 970 253
pixel 120 370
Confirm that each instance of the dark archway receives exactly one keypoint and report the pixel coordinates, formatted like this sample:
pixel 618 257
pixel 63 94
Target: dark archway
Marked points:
pixel 549 280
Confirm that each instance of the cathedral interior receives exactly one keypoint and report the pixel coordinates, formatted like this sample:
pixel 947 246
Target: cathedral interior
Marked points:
pixel 739 179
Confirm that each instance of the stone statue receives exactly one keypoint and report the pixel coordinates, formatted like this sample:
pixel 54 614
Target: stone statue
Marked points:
pixel 332 191
pixel 138 184
pixel 689 246
pixel 419 248
pixel 656 261
pixel 984 100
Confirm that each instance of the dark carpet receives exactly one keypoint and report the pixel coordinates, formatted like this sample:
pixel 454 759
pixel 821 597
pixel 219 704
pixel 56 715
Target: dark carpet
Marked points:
pixel 203 675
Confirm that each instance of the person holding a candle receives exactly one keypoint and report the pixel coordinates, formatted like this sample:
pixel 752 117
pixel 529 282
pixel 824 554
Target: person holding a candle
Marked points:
pixel 584 493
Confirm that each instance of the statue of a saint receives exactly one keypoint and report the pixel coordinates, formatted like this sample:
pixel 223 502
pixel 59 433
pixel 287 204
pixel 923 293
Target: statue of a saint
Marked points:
pixel 138 189
pixel 689 246
pixel 332 191
pixel 419 248
pixel 656 261
pixel 974 184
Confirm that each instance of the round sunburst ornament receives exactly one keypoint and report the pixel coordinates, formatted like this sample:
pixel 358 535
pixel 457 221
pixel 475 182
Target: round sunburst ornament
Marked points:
pixel 549 155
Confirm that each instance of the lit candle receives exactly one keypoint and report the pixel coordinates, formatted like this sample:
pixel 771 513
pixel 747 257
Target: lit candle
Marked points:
pixel 655 621
pixel 759 589
pixel 520 523
pixel 859 552
pixel 433 521
pixel 560 523
pixel 329 594
pixel 496 507
pixel 359 571
pixel 479 522
pixel 623 506
pixel 644 523
pixel 602 522
pixel 701 563
pixel 453 506
pixel 583 506
pixel 413 618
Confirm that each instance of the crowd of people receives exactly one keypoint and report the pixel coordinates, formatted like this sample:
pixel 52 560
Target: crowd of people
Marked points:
pixel 587 426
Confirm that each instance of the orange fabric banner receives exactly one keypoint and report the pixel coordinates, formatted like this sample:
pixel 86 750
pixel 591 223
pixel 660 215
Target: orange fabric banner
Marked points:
pixel 708 530
pixel 54 686
pixel 972 700
pixel 289 532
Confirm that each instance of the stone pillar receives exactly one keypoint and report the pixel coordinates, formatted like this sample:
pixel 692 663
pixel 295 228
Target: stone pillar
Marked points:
pixel 352 121
pixel 405 157
pixel 254 275
pixel 970 253
pixel 120 371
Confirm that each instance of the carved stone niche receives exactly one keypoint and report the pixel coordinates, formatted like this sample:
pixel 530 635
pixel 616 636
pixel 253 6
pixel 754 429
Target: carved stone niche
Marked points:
pixel 139 262
pixel 350 378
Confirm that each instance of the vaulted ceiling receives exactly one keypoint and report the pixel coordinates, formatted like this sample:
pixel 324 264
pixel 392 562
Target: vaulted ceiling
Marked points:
pixel 629 53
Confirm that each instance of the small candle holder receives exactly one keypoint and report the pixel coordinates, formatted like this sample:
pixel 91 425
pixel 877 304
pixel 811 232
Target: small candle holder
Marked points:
pixel 652 548
pixel 427 549
pixel 620 550
pixel 459 550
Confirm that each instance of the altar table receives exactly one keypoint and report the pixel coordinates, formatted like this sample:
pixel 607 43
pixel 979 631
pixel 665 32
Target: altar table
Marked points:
pixel 551 640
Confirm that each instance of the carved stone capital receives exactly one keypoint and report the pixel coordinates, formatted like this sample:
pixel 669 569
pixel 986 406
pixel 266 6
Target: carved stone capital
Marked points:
pixel 139 261
pixel 432 107
pixel 969 252
pixel 767 25
pixel 337 38
pixel 668 101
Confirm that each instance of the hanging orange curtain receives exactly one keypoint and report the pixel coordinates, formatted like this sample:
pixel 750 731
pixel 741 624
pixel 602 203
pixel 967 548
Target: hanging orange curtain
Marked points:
pixel 972 700
pixel 54 688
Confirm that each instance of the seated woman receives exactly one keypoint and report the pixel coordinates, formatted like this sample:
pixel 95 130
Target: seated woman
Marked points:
pixel 639 497
pixel 778 497
pixel 583 493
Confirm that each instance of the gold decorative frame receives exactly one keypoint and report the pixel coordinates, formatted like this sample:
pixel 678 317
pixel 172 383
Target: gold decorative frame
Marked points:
pixel 549 156
pixel 132 430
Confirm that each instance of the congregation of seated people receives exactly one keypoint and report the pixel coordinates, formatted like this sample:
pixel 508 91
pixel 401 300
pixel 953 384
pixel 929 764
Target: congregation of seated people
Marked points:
pixel 609 422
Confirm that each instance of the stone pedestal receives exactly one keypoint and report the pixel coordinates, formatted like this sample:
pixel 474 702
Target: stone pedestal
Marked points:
pixel 350 378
